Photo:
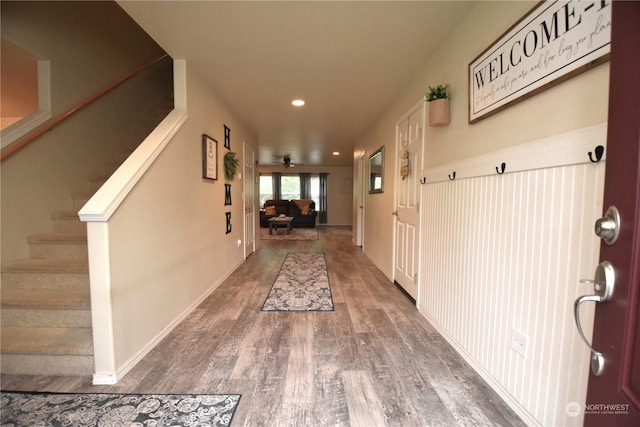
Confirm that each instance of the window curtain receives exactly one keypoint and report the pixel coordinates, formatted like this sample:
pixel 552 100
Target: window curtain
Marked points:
pixel 323 199
pixel 276 177
pixel 305 185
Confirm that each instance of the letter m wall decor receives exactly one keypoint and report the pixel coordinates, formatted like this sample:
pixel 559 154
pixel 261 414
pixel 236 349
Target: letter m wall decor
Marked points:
pixel 555 41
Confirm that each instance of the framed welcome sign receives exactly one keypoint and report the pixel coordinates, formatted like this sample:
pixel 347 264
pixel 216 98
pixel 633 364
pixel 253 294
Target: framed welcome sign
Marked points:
pixel 555 41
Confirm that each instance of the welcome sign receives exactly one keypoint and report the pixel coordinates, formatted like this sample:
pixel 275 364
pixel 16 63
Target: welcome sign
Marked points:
pixel 555 41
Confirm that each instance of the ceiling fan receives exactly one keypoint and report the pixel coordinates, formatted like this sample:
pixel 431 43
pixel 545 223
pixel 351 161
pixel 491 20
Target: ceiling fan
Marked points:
pixel 287 163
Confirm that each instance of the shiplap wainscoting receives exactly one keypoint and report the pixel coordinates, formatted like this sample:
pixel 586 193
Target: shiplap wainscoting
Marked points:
pixel 506 252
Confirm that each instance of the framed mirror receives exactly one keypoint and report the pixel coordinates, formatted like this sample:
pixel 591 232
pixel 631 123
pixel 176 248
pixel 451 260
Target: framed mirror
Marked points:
pixel 376 171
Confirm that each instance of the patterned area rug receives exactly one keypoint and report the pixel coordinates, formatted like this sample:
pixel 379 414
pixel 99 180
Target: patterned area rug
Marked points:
pixel 80 410
pixel 296 234
pixel 301 285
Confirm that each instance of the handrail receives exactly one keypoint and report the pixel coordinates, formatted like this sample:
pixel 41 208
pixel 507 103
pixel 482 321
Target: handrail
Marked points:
pixel 51 123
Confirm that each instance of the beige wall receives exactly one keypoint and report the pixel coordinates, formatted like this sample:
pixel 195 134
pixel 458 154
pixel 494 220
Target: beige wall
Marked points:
pixel 577 103
pixel 90 44
pixel 167 241
pixel 339 189
pixel 84 58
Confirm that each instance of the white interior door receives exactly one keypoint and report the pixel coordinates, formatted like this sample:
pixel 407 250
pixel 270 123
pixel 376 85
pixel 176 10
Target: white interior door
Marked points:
pixel 249 200
pixel 407 201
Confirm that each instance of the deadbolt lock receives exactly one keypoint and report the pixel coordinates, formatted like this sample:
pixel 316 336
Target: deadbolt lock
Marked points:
pixel 608 227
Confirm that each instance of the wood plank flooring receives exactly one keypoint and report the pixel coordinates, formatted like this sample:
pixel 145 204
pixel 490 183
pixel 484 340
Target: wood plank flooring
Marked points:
pixel 374 361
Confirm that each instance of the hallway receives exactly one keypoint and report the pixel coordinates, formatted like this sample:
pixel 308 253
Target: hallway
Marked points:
pixel 374 361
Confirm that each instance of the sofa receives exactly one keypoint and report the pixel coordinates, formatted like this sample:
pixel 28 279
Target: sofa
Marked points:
pixel 303 212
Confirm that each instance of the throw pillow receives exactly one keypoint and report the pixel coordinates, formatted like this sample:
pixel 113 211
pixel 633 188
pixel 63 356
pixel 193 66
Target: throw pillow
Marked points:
pixel 304 206
pixel 269 210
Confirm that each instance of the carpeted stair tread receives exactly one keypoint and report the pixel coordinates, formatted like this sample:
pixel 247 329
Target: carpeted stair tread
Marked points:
pixel 47 265
pixel 71 238
pixel 68 341
pixel 71 299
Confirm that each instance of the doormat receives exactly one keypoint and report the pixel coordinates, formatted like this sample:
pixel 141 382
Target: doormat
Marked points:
pixel 95 409
pixel 301 285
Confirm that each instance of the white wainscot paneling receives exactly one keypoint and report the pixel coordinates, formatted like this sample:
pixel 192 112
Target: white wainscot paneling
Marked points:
pixel 506 252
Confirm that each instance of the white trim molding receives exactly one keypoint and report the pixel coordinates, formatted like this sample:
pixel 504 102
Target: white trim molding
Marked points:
pixel 571 148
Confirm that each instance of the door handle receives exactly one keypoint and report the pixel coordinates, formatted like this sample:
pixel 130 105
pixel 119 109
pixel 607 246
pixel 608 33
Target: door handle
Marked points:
pixel 394 213
pixel 603 284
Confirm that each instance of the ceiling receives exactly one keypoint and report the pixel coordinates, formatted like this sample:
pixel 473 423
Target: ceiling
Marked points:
pixel 347 60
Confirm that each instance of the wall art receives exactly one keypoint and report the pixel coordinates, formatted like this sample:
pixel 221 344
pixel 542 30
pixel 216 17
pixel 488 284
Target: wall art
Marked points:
pixel 209 158
pixel 552 43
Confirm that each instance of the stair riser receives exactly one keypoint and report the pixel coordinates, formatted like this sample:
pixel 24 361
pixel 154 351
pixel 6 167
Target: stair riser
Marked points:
pixel 33 318
pixel 20 280
pixel 69 226
pixel 58 250
pixel 28 364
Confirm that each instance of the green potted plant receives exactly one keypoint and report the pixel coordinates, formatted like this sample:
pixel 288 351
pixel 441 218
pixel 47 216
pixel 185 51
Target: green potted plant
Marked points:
pixel 438 99
pixel 231 163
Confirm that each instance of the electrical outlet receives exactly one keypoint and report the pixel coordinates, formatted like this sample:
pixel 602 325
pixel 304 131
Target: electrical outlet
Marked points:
pixel 519 343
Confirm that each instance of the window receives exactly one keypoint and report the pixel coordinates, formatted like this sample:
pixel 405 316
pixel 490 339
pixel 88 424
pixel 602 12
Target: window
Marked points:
pixel 266 189
pixel 290 187
pixel 315 189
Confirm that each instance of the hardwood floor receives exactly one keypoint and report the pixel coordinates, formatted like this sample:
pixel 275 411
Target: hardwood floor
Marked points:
pixel 374 361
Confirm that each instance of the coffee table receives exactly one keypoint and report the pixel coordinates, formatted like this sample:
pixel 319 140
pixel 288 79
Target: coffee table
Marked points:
pixel 280 222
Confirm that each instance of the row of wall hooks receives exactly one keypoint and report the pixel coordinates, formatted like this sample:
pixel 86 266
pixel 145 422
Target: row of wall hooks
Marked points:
pixel 597 152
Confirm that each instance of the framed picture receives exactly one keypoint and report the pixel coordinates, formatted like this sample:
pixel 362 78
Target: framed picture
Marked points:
pixel 209 158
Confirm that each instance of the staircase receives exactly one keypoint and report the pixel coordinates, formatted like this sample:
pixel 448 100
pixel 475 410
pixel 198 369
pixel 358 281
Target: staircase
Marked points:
pixel 45 304
pixel 45 308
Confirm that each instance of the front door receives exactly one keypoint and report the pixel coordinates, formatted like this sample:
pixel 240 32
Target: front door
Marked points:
pixel 407 201
pixel 613 398
pixel 249 201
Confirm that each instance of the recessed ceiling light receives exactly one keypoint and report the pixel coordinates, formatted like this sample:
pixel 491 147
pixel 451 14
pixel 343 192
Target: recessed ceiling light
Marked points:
pixel 336 153
pixel 298 102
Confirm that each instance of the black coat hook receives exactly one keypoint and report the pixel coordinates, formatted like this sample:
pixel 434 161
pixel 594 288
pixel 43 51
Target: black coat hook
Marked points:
pixel 503 167
pixel 452 177
pixel 599 152
pixel 423 180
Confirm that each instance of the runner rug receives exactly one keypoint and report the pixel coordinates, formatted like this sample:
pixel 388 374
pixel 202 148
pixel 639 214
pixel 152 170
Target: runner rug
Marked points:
pixel 301 285
pixel 84 410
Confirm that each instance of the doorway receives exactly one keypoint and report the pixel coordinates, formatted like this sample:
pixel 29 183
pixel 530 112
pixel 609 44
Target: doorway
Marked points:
pixel 409 151
pixel 359 199
pixel 249 200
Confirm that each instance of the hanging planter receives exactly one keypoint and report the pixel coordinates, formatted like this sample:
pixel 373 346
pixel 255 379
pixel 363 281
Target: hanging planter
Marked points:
pixel 230 165
pixel 438 99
